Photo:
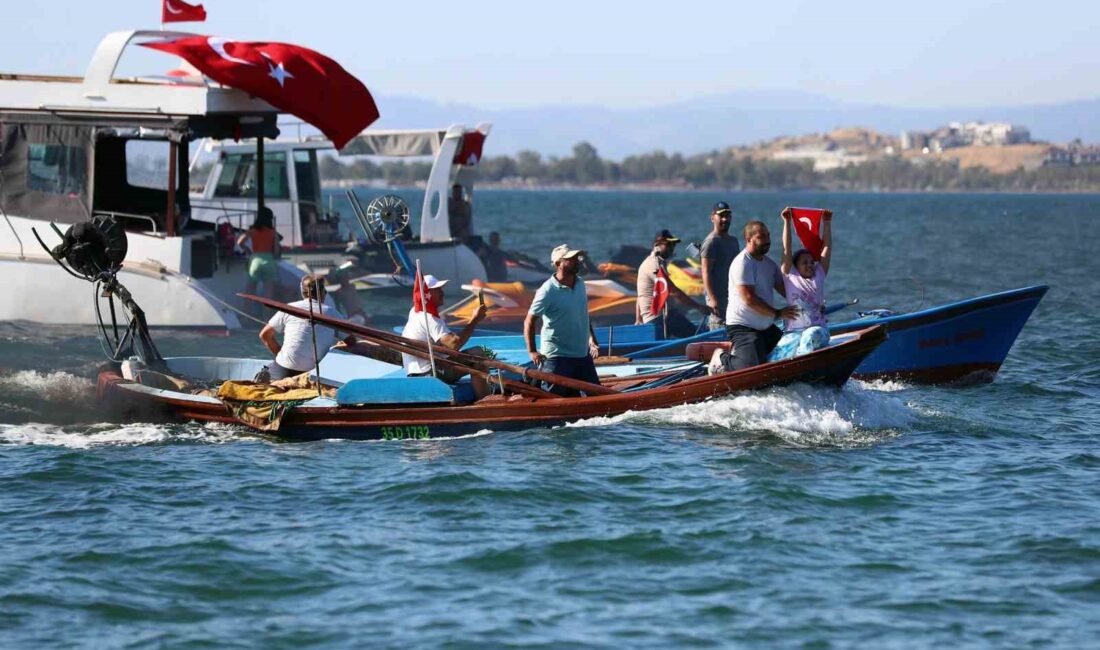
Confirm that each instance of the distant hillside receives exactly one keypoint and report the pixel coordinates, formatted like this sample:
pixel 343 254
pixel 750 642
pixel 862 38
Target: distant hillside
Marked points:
pixel 720 121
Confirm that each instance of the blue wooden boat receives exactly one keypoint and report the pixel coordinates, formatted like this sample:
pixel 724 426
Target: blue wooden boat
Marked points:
pixel 965 341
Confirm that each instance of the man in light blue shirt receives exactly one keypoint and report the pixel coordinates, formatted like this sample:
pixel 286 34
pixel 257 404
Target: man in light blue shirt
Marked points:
pixel 568 344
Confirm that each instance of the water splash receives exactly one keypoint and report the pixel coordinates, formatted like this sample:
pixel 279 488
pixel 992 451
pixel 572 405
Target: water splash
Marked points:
pixel 802 415
pixel 112 435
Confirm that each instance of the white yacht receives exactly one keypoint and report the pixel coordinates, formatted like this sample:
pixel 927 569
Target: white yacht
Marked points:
pixel 311 234
pixel 70 151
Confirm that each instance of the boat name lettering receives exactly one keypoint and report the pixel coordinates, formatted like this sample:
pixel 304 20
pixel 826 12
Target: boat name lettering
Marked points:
pixel 961 337
pixel 409 432
pixel 971 335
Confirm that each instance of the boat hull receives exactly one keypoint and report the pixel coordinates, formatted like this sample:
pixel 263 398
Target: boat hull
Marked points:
pixel 831 366
pixel 965 341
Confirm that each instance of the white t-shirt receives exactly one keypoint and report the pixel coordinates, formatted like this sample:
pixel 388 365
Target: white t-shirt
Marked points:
pixel 762 276
pixel 415 329
pixel 297 350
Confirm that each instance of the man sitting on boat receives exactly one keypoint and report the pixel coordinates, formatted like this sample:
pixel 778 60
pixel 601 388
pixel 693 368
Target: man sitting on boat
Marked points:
pixel 753 279
pixel 568 347
pixel 295 355
pixel 425 326
pixel 676 325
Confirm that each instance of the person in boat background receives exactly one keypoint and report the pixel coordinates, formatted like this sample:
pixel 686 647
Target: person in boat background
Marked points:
pixel 295 355
pixel 422 326
pixel 804 277
pixel 568 347
pixel 460 214
pixel 496 263
pixel 753 279
pixel 716 254
pixel 677 324
pixel 263 250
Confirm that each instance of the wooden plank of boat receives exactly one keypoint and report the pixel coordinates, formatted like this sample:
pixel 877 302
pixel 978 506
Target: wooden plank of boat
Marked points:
pixel 420 349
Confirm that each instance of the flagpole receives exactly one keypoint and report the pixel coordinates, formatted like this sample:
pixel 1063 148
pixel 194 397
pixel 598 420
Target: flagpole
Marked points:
pixel 422 287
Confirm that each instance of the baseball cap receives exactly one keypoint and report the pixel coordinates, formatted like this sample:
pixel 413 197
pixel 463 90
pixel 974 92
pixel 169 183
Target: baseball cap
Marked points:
pixel 434 282
pixel 721 207
pixel 564 252
pixel 665 236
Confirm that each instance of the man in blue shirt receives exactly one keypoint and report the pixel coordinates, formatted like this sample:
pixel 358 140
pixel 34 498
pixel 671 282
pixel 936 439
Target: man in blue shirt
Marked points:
pixel 568 343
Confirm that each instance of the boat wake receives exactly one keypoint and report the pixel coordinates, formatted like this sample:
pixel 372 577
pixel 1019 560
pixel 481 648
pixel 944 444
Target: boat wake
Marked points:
pixel 56 397
pixel 87 436
pixel 857 415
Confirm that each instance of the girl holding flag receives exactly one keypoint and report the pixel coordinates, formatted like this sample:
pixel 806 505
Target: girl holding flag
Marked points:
pixel 804 271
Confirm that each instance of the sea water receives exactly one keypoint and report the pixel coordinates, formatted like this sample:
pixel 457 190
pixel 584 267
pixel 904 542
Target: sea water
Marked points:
pixel 881 515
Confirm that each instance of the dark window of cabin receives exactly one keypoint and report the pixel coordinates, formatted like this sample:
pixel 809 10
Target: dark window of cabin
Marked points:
pixel 56 169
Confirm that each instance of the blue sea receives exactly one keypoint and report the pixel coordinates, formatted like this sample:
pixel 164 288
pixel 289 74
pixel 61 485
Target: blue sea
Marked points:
pixel 885 515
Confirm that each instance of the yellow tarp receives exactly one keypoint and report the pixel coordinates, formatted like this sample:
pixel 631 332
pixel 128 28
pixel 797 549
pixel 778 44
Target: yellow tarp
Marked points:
pixel 262 406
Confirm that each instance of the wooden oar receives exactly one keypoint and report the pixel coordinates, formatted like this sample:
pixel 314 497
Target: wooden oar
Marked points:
pixel 455 358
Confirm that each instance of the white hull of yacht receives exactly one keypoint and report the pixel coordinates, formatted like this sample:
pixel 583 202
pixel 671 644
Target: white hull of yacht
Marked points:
pixel 38 290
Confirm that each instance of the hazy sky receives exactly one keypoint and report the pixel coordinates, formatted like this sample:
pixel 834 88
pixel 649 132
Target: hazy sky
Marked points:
pixel 622 54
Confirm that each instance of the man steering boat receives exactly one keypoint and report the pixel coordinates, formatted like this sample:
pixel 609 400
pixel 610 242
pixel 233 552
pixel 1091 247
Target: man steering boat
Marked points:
pixel 568 347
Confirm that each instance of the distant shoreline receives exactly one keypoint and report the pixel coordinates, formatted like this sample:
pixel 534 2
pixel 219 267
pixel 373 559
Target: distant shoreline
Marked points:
pixel 631 187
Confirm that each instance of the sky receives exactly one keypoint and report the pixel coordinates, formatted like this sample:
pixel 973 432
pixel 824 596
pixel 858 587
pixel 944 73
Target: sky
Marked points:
pixel 513 54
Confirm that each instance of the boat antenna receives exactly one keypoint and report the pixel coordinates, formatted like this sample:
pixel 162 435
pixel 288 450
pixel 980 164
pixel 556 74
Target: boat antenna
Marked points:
pixel 422 287
pixel 316 293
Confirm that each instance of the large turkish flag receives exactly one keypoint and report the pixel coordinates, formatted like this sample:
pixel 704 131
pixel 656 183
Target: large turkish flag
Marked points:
pixel 291 78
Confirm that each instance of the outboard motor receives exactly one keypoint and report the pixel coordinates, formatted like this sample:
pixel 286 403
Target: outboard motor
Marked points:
pixel 93 251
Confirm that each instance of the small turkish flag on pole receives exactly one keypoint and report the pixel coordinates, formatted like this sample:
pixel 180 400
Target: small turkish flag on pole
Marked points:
pixel 807 224
pixel 422 296
pixel 291 78
pixel 660 292
pixel 178 11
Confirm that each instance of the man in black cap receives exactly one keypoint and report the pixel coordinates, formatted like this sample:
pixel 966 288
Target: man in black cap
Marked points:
pixel 677 324
pixel 717 251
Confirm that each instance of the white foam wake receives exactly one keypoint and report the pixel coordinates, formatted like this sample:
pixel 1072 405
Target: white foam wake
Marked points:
pixel 798 414
pixel 50 386
pixel 105 435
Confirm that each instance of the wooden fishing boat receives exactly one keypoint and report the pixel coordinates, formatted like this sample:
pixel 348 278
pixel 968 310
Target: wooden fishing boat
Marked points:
pixel 608 303
pixel 374 400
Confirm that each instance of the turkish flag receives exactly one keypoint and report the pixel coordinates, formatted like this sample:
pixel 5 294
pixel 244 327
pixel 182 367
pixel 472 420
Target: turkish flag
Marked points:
pixel 660 292
pixel 470 151
pixel 291 78
pixel 422 297
pixel 807 223
pixel 178 11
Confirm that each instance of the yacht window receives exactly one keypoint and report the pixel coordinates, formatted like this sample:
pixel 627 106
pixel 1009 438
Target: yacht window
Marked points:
pixel 56 168
pixel 238 177
pixel 147 164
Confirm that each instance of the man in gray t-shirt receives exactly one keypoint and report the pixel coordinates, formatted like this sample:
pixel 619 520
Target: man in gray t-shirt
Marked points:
pixel 753 280
pixel 716 253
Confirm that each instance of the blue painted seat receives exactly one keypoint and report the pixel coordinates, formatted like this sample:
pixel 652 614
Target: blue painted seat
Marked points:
pixel 404 390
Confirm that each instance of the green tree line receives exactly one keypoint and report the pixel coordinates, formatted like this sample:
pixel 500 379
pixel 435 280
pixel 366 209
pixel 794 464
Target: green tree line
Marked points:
pixel 727 170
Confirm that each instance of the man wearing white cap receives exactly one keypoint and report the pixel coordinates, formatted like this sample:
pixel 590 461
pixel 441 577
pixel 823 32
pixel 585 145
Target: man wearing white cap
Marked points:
pixel 568 344
pixel 417 329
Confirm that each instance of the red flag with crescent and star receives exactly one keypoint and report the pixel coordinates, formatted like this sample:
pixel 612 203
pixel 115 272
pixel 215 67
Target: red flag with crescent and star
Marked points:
pixel 660 292
pixel 470 151
pixel 178 11
pixel 422 297
pixel 807 224
pixel 291 78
